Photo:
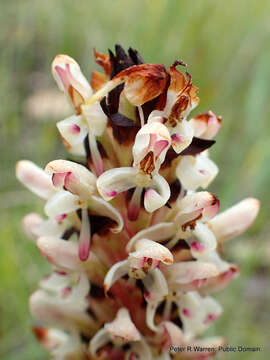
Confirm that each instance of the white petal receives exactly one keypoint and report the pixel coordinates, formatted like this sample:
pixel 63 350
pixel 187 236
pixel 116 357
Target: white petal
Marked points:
pixel 115 181
pixel 103 208
pixel 153 137
pixel 173 334
pixel 55 282
pixel 64 254
pixel 141 349
pixel 83 182
pixel 196 171
pixel 235 220
pixel 188 271
pixel 70 80
pixel 95 117
pixel 157 195
pixel 158 232
pixel 30 222
pixel 35 179
pixel 49 227
pixel 207 125
pixel 122 327
pixel 200 206
pixel 182 136
pixel 62 202
pixel 149 249
pixel 204 241
pixel 73 130
pixel 197 312
pixel 156 286
pixel 118 270
pixel 100 339
pixel 60 312
pixel 151 309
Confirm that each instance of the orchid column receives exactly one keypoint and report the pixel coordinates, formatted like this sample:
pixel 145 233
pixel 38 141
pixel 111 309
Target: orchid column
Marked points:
pixel 132 235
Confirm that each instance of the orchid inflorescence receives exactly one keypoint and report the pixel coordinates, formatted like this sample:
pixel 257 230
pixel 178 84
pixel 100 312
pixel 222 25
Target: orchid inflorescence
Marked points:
pixel 134 246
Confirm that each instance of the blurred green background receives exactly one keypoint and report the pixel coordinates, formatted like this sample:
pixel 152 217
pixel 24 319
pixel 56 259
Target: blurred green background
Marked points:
pixel 227 47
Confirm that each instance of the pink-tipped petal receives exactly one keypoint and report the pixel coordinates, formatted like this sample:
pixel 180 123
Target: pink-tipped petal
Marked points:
pixel 35 179
pixel 157 195
pixel 235 220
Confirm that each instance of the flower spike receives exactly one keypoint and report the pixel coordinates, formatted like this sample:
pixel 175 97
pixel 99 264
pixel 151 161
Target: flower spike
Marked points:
pixel 134 244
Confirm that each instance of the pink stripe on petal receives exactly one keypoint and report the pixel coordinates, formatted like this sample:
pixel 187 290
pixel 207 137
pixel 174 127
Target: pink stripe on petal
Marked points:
pixel 63 76
pixel 159 147
pixel 58 179
pixel 60 218
pixel 152 140
pixel 74 129
pixel 197 246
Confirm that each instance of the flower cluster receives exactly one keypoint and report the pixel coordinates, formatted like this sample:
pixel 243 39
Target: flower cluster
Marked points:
pixel 133 238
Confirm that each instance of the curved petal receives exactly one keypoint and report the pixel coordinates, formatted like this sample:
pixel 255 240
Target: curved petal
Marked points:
pixel 204 241
pixel 235 220
pixel 158 232
pixel 103 208
pixel 153 137
pixel 172 335
pixel 64 255
pixel 35 179
pixel 196 171
pixel 157 195
pixel 182 136
pixel 188 271
pixel 200 206
pixel 114 181
pixel 50 227
pixel 197 312
pixel 59 311
pixel 207 125
pixel 73 130
pixel 156 286
pixel 30 222
pixel 115 273
pixel 151 309
pixel 62 202
pixel 122 328
pixel 76 178
pixel 71 81
pixel 147 249
pixel 55 282
pixel 100 339
pixel 95 117
pixel 140 349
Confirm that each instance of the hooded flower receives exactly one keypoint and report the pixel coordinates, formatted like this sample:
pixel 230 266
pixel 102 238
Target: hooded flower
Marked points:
pixel 149 150
pixel 144 288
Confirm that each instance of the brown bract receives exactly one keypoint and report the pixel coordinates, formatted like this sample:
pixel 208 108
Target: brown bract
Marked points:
pixel 98 80
pixel 104 61
pixel 143 82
